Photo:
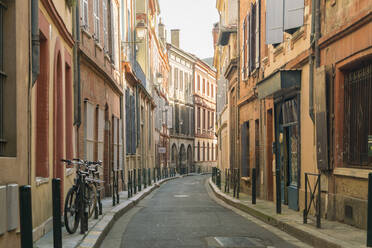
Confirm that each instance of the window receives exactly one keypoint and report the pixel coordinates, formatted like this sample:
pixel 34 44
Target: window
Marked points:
pixel 175 78
pixel 198 83
pixel 42 111
pixel 84 14
pixel 115 143
pixel 204 151
pixel 100 133
pixel 203 86
pixel 209 120
pixel 89 131
pixel 358 115
pixel 208 88
pixel 96 20
pixel 245 149
pixel 212 91
pixel 204 119
pixel 69 112
pixel 198 151
pixel 181 80
pixel 198 119
pixel 130 110
pixel 105 26
pixel 170 77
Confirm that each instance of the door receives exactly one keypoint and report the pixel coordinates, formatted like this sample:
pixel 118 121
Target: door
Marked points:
pixel 289 162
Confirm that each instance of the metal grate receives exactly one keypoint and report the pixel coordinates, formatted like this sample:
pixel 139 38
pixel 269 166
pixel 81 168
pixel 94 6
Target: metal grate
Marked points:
pixel 358 115
pixel 2 79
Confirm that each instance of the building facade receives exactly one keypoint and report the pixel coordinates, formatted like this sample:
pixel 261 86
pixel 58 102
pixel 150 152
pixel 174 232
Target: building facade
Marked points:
pixel 205 90
pixel 181 101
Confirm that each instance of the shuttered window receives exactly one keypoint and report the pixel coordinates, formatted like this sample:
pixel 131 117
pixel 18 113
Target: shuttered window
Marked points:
pixel 105 26
pixel 245 149
pixel 128 122
pixel 245 54
pixel 181 80
pixel 115 142
pixel 101 134
pixel 114 32
pixel 177 118
pixel 198 83
pixel 134 127
pixel 258 31
pixel 120 145
pixel 96 19
pixel 84 13
pixel 89 131
pixel 358 115
pixel 252 39
pixel 293 14
pixel 274 21
pixel 176 78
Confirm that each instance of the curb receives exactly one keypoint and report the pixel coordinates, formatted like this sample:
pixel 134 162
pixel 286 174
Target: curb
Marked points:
pixel 96 235
pixel 300 234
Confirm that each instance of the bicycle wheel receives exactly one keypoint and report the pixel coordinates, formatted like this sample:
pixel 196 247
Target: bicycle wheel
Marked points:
pixel 71 211
pixel 91 197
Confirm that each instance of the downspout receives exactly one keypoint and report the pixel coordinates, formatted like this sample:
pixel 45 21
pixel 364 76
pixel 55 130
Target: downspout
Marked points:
pixel 35 70
pixel 77 81
pixel 237 94
pixel 317 33
pixel 311 62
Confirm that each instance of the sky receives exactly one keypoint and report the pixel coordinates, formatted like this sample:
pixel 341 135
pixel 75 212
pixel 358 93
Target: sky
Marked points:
pixel 195 19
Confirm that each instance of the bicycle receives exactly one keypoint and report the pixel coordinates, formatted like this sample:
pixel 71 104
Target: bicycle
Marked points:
pixel 75 199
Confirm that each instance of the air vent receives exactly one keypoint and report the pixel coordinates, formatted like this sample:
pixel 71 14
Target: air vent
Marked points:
pixel 348 212
pixel 13 206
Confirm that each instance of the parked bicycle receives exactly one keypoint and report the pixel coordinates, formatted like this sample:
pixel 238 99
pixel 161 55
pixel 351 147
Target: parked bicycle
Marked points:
pixel 83 192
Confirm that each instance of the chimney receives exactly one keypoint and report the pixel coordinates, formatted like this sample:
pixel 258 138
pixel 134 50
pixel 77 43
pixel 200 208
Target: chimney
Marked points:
pixel 175 37
pixel 162 32
pixel 215 32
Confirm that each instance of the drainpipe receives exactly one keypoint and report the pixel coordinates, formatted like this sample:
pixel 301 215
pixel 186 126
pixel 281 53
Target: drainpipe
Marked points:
pixel 311 62
pixel 237 165
pixel 34 66
pixel 77 84
pixel 35 40
pixel 317 33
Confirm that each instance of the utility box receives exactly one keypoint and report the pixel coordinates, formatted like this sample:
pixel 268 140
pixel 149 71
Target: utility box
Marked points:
pixel 3 210
pixel 12 196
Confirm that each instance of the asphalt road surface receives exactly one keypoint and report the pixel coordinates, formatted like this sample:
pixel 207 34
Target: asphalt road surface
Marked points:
pixel 183 213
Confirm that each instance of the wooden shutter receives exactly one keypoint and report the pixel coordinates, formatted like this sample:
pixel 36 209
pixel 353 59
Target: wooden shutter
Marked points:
pixel 248 65
pixel 115 142
pixel 244 47
pixel 320 97
pixel 293 14
pixel 127 122
pixel 105 26
pixel 121 148
pixel 101 134
pixel 245 149
pixel 258 31
pixel 134 127
pixel 89 131
pixel 252 38
pixel 274 21
pixel 84 12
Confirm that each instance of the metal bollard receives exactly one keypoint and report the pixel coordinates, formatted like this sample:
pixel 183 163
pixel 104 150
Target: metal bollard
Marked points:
pixel 57 225
pixel 254 185
pixel 135 181
pixel 25 214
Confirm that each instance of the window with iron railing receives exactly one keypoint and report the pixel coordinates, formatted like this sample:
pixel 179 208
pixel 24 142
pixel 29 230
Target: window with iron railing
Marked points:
pixel 358 115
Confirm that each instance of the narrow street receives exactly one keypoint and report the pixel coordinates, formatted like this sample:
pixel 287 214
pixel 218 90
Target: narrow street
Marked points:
pixel 181 213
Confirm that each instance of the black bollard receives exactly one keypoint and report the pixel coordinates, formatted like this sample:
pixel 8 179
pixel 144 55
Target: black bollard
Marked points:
pixel 25 214
pixel 57 225
pixel 254 185
pixel 369 212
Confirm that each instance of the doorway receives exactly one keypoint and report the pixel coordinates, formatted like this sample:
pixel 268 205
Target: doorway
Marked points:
pixel 287 137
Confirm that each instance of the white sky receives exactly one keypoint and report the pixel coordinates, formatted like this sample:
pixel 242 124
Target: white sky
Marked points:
pixel 195 19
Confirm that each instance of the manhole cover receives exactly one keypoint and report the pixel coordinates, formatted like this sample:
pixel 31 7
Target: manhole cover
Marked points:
pixel 181 196
pixel 235 242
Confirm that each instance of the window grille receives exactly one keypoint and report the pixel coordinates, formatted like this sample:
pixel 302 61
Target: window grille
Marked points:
pixel 358 115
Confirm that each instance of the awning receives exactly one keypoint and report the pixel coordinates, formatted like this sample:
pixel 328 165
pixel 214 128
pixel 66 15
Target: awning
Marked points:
pixel 224 35
pixel 278 83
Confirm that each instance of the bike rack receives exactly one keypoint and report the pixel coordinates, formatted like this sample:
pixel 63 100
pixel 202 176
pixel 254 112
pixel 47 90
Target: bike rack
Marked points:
pixel 312 191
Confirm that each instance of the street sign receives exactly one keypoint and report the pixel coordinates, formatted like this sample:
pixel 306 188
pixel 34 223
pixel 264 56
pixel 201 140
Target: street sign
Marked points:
pixel 162 150
pixel 369 145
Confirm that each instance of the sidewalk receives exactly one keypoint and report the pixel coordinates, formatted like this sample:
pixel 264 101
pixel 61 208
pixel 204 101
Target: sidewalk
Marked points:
pixel 331 234
pixel 100 227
